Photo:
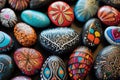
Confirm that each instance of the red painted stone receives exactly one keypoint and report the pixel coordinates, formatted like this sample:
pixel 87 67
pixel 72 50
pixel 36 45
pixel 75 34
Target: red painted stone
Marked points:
pixel 28 60
pixel 61 14
pixel 109 15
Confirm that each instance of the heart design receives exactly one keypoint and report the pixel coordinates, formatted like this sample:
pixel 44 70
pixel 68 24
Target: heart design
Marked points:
pixel 116 33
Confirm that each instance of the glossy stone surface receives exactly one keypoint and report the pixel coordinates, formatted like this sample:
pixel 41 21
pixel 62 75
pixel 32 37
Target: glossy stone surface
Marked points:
pixel 35 18
pixel 19 4
pixel 21 78
pixel 6 42
pixel 85 9
pixel 59 40
pixel 107 64
pixel 2 3
pixel 112 35
pixel 25 34
pixel 92 32
pixel 109 15
pixel 80 63
pixel 28 60
pixel 8 17
pixel 61 14
pixel 54 69
pixel 6 67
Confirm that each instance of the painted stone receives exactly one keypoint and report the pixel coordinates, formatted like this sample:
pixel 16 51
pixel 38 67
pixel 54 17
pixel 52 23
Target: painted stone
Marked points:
pixel 59 40
pixel 19 4
pixel 61 14
pixel 25 34
pixel 85 9
pixel 2 3
pixel 92 32
pixel 6 67
pixel 80 63
pixel 8 17
pixel 21 78
pixel 112 35
pixel 35 18
pixel 28 60
pixel 6 42
pixel 109 15
pixel 54 69
pixel 107 64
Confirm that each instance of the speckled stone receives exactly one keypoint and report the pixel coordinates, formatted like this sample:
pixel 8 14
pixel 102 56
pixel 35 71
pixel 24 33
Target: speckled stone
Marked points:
pixel 21 78
pixel 54 69
pixel 2 3
pixel 107 64
pixel 59 40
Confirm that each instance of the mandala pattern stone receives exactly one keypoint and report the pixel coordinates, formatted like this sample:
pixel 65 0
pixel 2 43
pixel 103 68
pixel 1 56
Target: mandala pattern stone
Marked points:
pixel 92 32
pixel 28 60
pixel 7 17
pixel 54 69
pixel 19 4
pixel 6 42
pixel 25 34
pixel 6 67
pixel 109 15
pixel 61 14
pixel 85 9
pixel 21 78
pixel 80 63
pixel 112 35
pixel 107 64
pixel 2 3
pixel 59 40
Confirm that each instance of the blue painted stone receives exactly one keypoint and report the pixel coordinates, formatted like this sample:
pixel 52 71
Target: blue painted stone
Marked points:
pixel 6 42
pixel 35 18
pixel 85 9
pixel 6 67
pixel 112 35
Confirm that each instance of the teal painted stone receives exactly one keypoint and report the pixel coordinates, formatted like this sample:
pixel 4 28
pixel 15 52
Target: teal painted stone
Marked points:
pixel 6 42
pixel 35 18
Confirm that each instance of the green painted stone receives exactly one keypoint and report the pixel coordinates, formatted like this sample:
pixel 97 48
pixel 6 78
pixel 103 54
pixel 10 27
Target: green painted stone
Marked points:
pixel 35 18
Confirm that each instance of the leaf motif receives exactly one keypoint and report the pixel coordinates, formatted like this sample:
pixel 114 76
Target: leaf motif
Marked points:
pixel 60 19
pixel 55 17
pixel 53 12
pixel 68 12
pixel 68 18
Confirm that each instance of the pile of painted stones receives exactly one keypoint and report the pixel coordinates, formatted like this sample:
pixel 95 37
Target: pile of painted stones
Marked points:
pixel 30 24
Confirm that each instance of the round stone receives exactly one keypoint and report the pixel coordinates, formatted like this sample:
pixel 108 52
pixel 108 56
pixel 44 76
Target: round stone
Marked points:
pixel 28 60
pixel 61 14
pixel 2 3
pixel 21 78
pixel 6 42
pixel 107 64
pixel 8 17
pixel 109 15
pixel 25 34
pixel 6 67
pixel 54 69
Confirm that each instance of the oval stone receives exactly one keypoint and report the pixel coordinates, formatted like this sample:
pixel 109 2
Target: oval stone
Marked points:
pixel 28 60
pixel 54 69
pixel 6 67
pixel 21 78
pixel 112 35
pixel 2 3
pixel 61 14
pixel 92 32
pixel 35 18
pixel 59 40
pixel 107 64
pixel 19 4
pixel 8 17
pixel 109 15
pixel 85 9
pixel 25 34
pixel 6 42
pixel 80 63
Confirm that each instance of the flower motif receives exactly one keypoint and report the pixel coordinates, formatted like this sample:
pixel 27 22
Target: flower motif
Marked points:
pixel 61 12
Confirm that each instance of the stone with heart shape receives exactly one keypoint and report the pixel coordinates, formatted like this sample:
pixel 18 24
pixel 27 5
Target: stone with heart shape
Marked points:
pixel 112 35
pixel 59 40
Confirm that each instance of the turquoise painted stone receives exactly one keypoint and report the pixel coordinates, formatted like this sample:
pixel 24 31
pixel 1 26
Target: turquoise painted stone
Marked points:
pixel 6 42
pixel 35 18
pixel 6 67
